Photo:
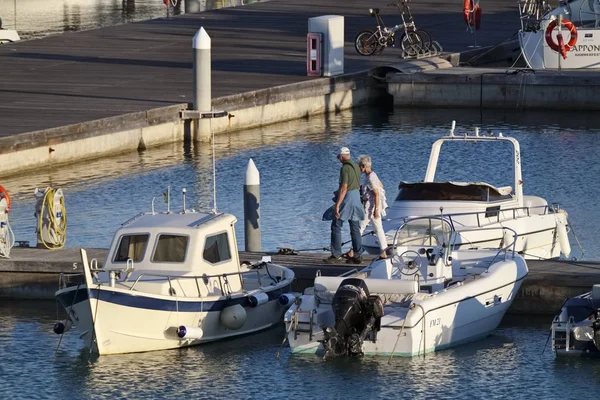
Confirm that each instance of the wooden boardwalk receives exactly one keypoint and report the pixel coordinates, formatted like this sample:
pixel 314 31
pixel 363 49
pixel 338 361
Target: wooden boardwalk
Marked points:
pixel 83 76
pixel 34 272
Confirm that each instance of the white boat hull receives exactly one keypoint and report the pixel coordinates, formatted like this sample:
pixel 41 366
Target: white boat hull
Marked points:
pixel 132 322
pixel 584 55
pixel 538 237
pixel 454 316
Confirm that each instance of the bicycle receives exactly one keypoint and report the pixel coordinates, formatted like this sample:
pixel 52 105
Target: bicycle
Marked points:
pixel 413 41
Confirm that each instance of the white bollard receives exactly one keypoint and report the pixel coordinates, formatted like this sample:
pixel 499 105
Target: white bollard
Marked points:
pixel 252 208
pixel 202 83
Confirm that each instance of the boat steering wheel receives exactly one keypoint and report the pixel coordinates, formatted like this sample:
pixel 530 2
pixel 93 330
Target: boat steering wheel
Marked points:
pixel 408 262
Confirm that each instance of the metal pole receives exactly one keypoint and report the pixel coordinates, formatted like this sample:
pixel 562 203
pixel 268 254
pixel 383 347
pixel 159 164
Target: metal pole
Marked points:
pixel 202 83
pixel 252 208
pixel 560 17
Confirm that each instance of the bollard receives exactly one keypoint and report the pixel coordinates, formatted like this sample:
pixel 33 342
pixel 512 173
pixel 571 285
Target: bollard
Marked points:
pixel 252 208
pixel 202 84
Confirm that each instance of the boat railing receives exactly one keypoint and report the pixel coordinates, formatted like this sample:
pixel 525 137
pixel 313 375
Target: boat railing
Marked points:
pixel 532 12
pixel 223 279
pixel 453 217
pixel 505 248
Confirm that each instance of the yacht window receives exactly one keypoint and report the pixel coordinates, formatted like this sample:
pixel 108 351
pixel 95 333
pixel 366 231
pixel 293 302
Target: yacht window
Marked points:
pixel 131 247
pixel 216 248
pixel 170 248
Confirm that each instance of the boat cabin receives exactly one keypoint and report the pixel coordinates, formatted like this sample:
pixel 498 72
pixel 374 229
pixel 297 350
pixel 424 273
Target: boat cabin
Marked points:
pixel 177 244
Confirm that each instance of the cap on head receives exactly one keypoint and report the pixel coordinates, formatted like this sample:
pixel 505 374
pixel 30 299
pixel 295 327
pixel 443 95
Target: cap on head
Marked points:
pixel 344 151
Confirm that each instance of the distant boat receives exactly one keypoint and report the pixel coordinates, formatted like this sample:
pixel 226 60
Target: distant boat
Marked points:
pixel 8 35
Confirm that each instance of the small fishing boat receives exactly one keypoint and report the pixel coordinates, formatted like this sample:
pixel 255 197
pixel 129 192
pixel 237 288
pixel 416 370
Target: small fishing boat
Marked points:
pixel 542 228
pixel 428 296
pixel 172 279
pixel 568 34
pixel 576 329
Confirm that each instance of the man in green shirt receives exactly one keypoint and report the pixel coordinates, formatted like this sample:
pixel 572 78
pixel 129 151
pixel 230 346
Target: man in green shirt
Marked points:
pixel 348 207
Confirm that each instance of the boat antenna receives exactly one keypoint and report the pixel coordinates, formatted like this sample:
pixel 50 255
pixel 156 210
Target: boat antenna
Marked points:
pixel 214 169
pixel 183 191
pixel 452 129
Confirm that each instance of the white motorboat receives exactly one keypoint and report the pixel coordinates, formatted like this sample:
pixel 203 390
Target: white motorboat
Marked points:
pixel 542 228
pixel 427 297
pixel 580 33
pixel 172 279
pixel 576 329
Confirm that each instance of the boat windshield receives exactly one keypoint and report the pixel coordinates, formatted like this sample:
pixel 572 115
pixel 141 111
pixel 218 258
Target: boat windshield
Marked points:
pixel 426 231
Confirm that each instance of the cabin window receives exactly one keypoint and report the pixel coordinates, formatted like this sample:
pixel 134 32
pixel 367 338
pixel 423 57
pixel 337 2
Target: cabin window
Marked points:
pixel 216 248
pixel 170 248
pixel 131 247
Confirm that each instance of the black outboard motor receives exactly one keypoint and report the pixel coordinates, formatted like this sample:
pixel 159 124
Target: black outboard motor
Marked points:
pixel 596 327
pixel 356 314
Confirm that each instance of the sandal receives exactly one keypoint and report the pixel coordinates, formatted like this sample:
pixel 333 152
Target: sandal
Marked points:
pixel 348 255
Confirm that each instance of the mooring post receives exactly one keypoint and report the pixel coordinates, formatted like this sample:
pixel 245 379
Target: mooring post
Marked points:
pixel 252 208
pixel 202 84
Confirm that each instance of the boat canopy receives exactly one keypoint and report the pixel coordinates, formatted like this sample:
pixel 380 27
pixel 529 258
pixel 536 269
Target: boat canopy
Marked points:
pixel 462 191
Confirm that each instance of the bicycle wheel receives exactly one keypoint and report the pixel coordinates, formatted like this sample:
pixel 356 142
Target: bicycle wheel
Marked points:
pixel 365 42
pixel 411 44
pixel 426 38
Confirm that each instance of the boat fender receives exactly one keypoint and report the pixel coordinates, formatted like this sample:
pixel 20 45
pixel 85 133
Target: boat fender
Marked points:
pixel 258 299
pixel 508 238
pixel 286 299
pixel 563 238
pixel 189 332
pixel 472 14
pixel 62 326
pixel 233 317
pixel 560 46
pixel 4 195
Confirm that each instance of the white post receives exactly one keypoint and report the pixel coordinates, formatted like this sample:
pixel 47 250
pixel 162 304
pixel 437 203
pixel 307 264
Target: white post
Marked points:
pixel 252 208
pixel 202 83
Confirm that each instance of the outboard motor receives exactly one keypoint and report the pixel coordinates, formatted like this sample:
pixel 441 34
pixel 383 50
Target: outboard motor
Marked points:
pixel 356 315
pixel 596 327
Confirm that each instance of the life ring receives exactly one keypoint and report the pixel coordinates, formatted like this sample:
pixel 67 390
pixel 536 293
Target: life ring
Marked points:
pixel 472 14
pixel 560 46
pixel 4 195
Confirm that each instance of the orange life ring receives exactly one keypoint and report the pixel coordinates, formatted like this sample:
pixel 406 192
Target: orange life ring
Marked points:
pixel 472 14
pixel 560 46
pixel 4 195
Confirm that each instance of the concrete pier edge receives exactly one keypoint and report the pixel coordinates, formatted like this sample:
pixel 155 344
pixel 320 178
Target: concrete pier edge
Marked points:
pixel 139 130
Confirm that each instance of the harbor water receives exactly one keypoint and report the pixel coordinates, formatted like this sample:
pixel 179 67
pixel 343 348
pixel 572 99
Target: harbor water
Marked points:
pixel 299 172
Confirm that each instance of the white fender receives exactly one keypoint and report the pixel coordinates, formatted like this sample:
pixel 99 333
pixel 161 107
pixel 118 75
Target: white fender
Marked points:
pixel 233 317
pixel 563 238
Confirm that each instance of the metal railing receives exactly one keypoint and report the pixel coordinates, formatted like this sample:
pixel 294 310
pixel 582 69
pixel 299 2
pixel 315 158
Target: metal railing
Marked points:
pixel 223 280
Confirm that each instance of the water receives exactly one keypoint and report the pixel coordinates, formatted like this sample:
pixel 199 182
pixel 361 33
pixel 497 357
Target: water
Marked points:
pixel 298 175
pixel 508 364
pixel 34 19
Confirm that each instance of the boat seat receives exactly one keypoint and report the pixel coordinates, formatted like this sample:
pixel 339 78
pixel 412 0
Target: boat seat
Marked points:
pixel 375 285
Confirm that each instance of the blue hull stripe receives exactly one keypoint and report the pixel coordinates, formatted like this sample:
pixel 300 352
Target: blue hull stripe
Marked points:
pixel 137 300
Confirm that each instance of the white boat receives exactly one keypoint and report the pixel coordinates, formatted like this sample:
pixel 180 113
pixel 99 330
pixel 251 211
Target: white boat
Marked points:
pixel 539 29
pixel 427 297
pixel 576 329
pixel 172 279
pixel 542 228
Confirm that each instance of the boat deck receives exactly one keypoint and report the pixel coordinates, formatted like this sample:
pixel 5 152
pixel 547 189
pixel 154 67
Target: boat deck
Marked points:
pixel 33 273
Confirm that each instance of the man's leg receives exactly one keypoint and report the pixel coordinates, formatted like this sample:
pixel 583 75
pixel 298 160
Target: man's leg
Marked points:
pixel 336 237
pixel 356 238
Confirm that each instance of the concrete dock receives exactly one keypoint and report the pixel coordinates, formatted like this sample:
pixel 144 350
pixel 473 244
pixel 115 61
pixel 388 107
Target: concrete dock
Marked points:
pixel 33 273
pixel 88 94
